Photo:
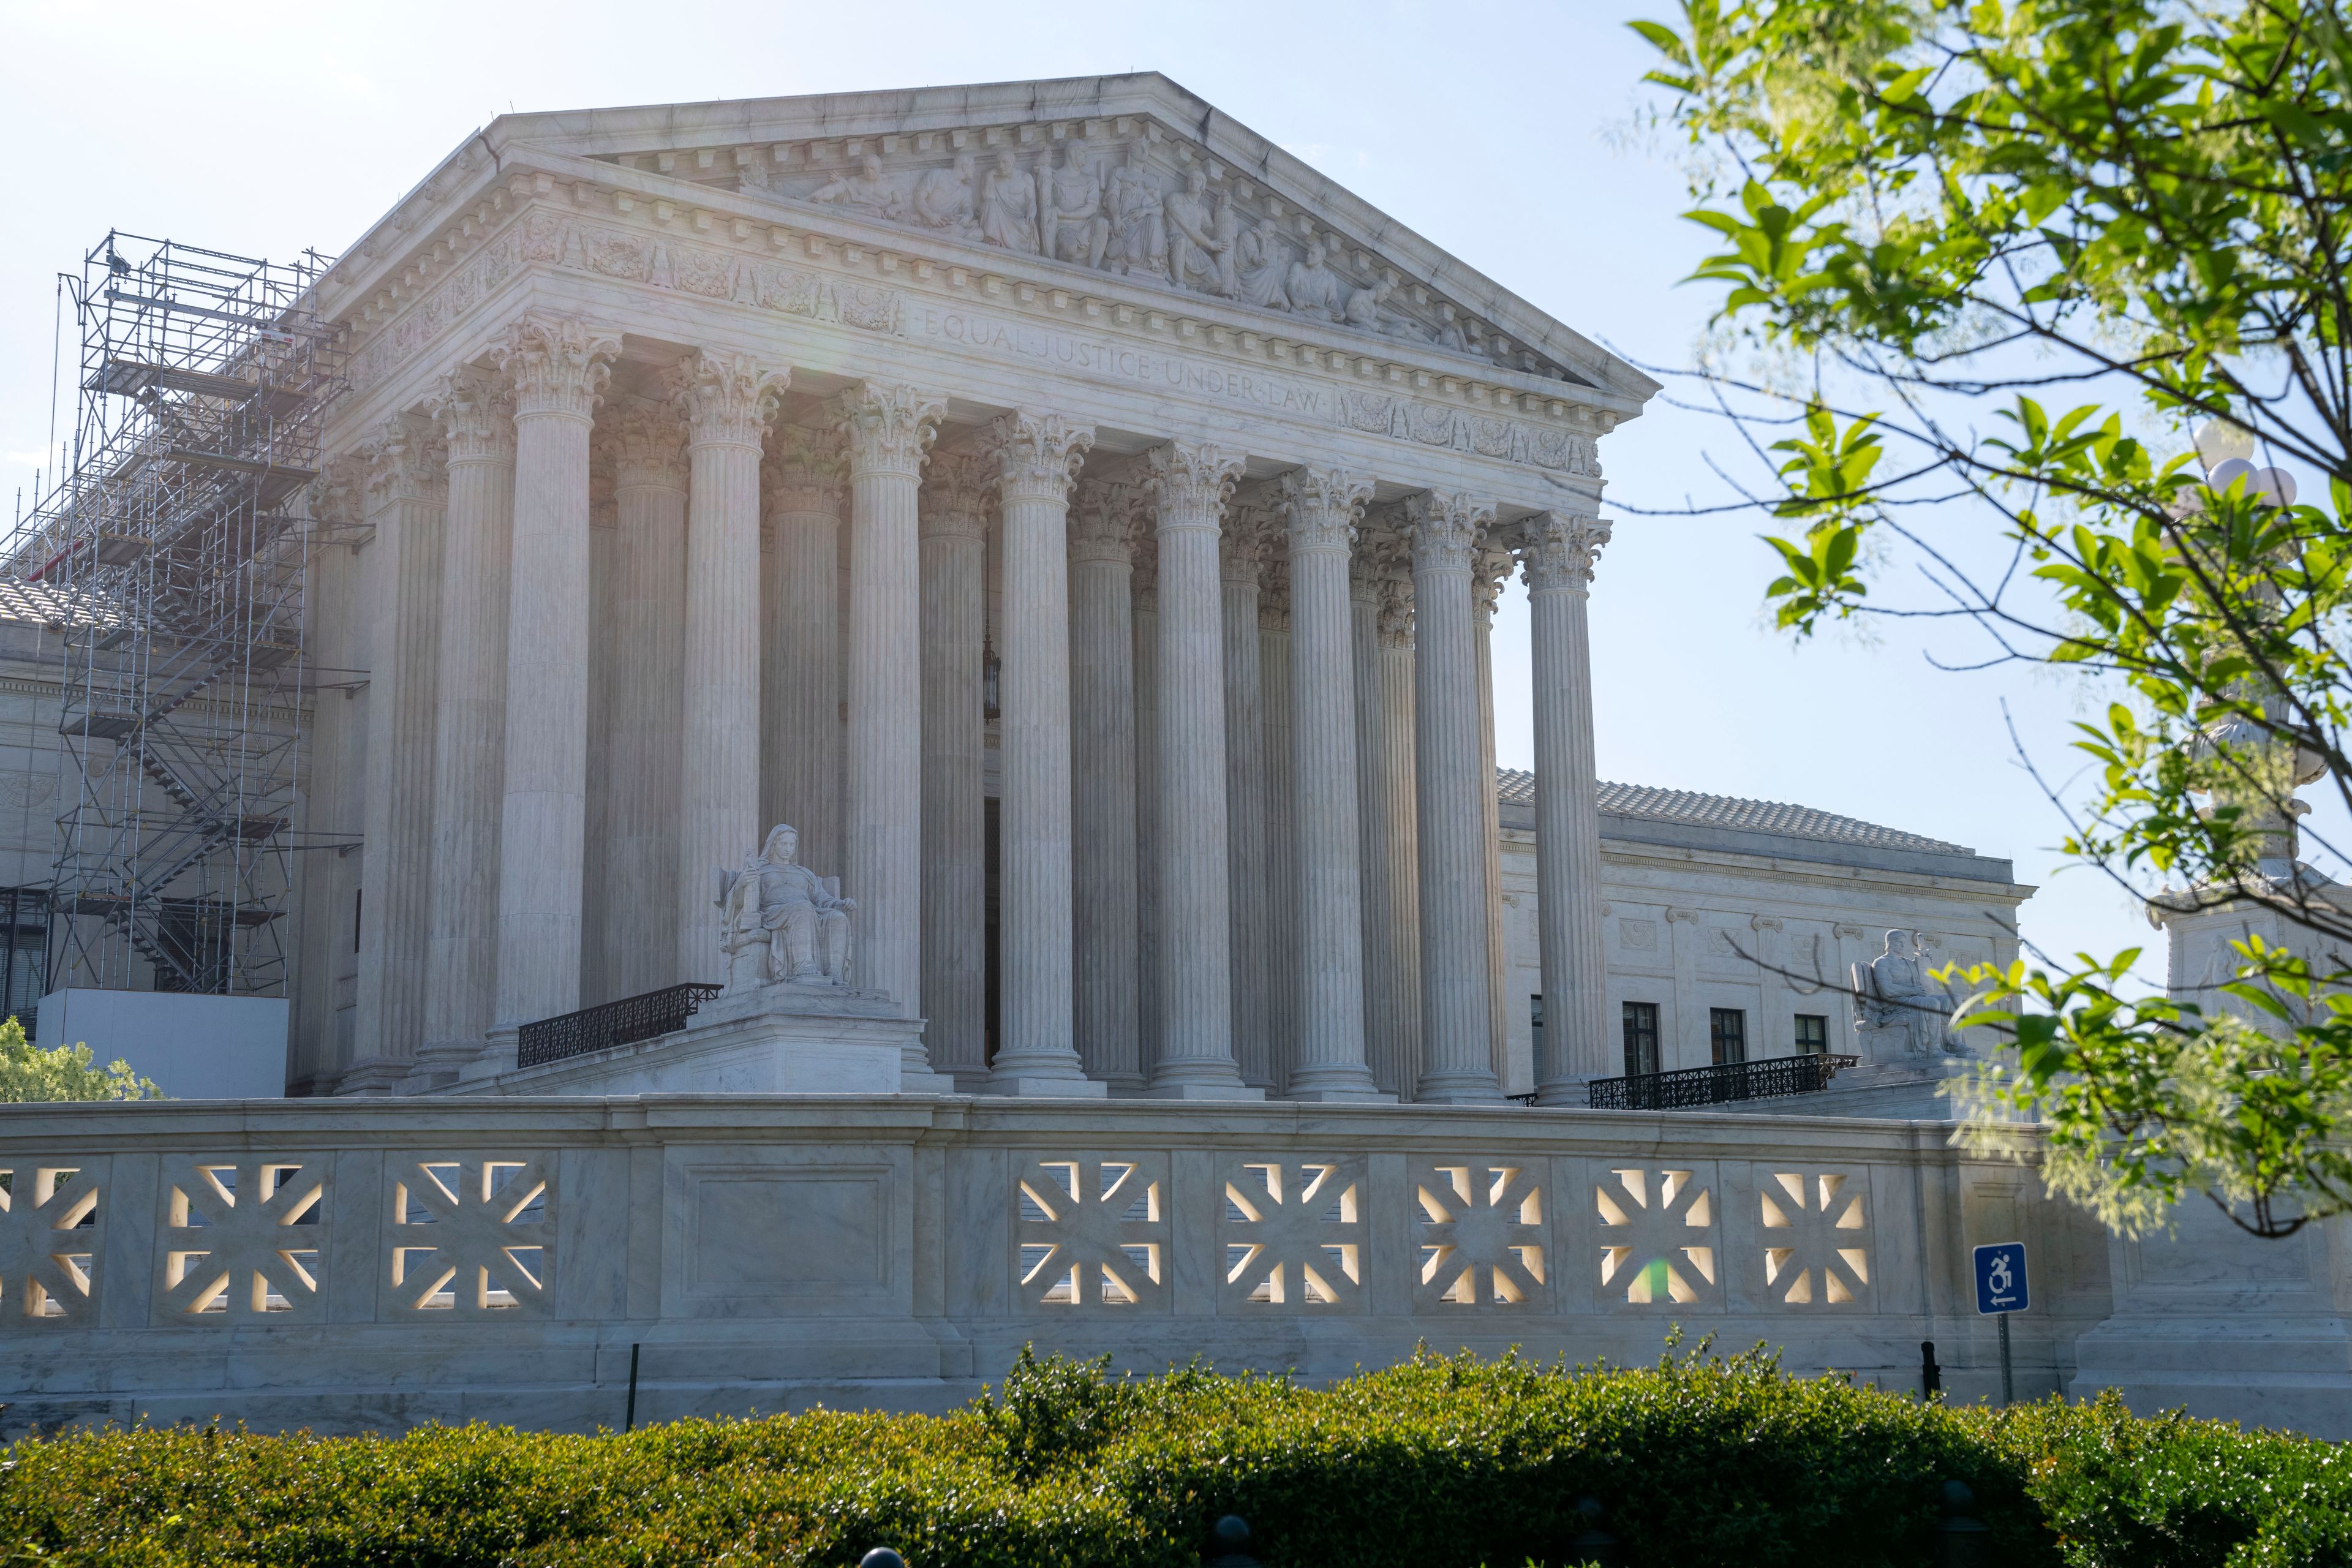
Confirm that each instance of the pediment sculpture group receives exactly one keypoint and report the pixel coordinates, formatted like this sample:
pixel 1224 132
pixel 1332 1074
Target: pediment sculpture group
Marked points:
pixel 1115 216
pixel 780 922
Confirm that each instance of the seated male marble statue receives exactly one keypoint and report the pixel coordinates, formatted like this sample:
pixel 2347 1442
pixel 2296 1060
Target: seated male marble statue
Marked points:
pixel 781 922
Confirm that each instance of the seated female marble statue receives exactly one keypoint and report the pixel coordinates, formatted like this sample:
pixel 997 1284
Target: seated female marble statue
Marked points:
pixel 781 920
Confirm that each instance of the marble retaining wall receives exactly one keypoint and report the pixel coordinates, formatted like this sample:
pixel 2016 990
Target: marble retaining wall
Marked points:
pixel 349 1264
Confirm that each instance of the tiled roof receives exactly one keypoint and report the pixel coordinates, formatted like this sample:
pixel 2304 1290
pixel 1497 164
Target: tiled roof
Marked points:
pixel 1516 786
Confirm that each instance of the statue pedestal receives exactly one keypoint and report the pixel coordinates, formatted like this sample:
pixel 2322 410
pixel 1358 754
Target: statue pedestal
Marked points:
pixel 785 1037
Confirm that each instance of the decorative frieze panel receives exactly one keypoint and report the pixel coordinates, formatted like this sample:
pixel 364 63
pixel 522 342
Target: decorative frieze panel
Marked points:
pixel 1483 1237
pixel 1661 1237
pixel 550 239
pixel 1292 1234
pixel 244 1239
pixel 1815 1226
pixel 471 1236
pixel 50 1240
pixel 1092 1232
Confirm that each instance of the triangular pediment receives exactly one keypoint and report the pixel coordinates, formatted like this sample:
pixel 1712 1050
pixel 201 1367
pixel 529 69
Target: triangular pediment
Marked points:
pixel 1129 180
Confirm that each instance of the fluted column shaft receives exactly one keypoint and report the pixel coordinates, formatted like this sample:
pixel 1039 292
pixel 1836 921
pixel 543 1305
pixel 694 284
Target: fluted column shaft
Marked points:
pixel 476 413
pixel 1281 838
pixel 408 483
pixel 1561 554
pixel 1457 1060
pixel 1191 482
pixel 1320 509
pixel 1037 1051
pixel 1102 785
pixel 1400 837
pixel 889 429
pixel 726 399
pixel 804 488
pixel 559 366
pixel 647 748
pixel 1245 850
pixel 1364 649
pixel 954 549
pixel 1144 552
pixel 1486 588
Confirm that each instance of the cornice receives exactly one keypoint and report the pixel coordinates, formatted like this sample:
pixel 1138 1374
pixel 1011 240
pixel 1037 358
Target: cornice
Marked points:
pixel 580 229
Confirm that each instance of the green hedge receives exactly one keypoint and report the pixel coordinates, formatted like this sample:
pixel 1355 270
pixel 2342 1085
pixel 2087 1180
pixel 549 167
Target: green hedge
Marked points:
pixel 1442 1461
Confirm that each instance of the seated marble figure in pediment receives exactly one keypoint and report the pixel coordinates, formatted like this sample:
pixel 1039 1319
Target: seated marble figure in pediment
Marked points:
pixel 1141 205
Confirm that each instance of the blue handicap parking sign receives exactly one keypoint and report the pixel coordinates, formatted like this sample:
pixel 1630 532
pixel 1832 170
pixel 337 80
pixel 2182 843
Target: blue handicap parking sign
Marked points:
pixel 2000 1277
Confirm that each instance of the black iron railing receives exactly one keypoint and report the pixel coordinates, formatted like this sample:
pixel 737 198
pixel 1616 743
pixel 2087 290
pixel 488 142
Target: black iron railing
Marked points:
pixel 622 1023
pixel 1767 1079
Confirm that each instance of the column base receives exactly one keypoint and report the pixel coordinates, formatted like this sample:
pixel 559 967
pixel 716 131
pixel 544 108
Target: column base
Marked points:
pixel 1045 1086
pixel 1460 1088
pixel 496 1055
pixel 441 1064
pixel 1571 1094
pixel 1202 1091
pixel 1342 1096
pixel 376 1074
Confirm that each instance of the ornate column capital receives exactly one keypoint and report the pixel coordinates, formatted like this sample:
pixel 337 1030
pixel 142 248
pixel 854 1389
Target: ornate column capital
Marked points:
pixel 1562 553
pixel 1490 570
pixel 337 497
pixel 1445 526
pixel 1190 480
pixel 406 460
pixel 727 398
pixel 475 410
pixel 959 487
pixel 648 446
pixel 558 365
pixel 1103 521
pixel 1248 539
pixel 807 470
pixel 1037 455
pixel 1321 507
pixel 1396 611
pixel 888 426
pixel 1274 593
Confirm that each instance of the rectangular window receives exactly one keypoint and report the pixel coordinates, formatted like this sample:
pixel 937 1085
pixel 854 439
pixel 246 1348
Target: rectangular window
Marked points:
pixel 23 950
pixel 1812 1035
pixel 1726 1032
pixel 1535 1031
pixel 1641 1038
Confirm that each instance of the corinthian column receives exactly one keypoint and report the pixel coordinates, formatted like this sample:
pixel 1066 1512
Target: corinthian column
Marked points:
pixel 1488 576
pixel 726 399
pixel 559 366
pixel 476 413
pixel 1245 853
pixel 1036 1051
pixel 1143 550
pixel 889 429
pixel 1191 481
pixel 1457 1061
pixel 1561 554
pixel 648 746
pixel 1102 782
pixel 1281 839
pixel 955 501
pixel 1320 508
pixel 805 489
pixel 1398 1034
pixel 407 494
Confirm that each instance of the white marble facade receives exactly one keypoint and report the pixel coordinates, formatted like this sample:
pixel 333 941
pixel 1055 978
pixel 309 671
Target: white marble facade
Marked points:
pixel 716 468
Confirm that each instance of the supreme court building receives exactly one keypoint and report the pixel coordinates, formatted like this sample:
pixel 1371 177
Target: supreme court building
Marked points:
pixel 1079 519
pixel 1081 524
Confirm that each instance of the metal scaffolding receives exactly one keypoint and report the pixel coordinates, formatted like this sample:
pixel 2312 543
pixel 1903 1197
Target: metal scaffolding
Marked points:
pixel 205 382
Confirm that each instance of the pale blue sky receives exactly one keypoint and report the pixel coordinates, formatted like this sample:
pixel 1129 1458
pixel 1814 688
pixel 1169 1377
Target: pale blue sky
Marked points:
pixel 1486 127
